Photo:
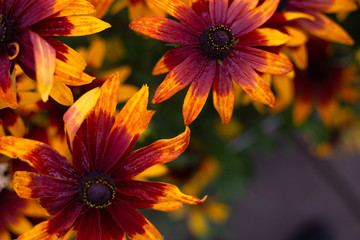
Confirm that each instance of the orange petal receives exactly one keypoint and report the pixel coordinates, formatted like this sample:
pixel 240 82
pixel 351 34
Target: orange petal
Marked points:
pixel 4 234
pixel 126 91
pixel 44 55
pixel 39 232
pixel 264 37
pixel 96 53
pixel 13 122
pixel 78 7
pixel 20 225
pixel 250 81
pixel 77 113
pixel 7 83
pixel 301 110
pixel 299 56
pixel 101 6
pixel 298 37
pixel 71 75
pixel 327 111
pixel 325 28
pixel 198 92
pixel 61 93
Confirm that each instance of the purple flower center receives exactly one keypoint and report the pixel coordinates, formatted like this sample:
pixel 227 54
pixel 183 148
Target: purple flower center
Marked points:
pixel 217 42
pixel 7 31
pixel 97 190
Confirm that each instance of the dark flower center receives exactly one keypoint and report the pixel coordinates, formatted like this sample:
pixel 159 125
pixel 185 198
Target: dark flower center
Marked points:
pixel 282 5
pixel 7 31
pixel 217 42
pixel 97 190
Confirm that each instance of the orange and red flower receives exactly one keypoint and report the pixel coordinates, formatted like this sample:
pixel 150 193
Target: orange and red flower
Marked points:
pixel 96 195
pixel 25 32
pixel 217 44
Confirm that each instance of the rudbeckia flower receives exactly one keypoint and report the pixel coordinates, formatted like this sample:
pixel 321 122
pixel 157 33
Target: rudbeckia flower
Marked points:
pixel 96 194
pixel 322 84
pixel 25 33
pixel 218 42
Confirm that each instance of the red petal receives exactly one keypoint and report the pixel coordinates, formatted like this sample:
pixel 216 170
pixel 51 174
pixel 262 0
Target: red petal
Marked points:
pixel 218 10
pixel 129 124
pixel 198 92
pixel 41 156
pixel 159 152
pixel 238 8
pixel 223 94
pixel 89 227
pixel 102 118
pixel 7 90
pixel 164 29
pixel 110 230
pixel 263 37
pixel 179 77
pixel 135 225
pixel 254 18
pixel 80 156
pixel 181 11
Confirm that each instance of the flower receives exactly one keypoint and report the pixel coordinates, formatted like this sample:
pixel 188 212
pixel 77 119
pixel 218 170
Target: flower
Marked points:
pixel 322 84
pixel 217 43
pixel 138 8
pixel 96 194
pixel 25 32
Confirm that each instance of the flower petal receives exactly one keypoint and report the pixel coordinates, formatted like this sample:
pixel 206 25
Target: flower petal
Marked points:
pixel 135 225
pixel 264 61
pixel 101 119
pixel 7 86
pixel 78 7
pixel 81 161
pixel 198 92
pixel 89 227
pixel 327 110
pixel 110 230
pixel 254 18
pixel 325 28
pixel 223 94
pixel 298 37
pixel 179 77
pixel 299 56
pixel 326 6
pixel 77 113
pixel 164 29
pixel 181 11
pixel 249 81
pixel 263 37
pixel 156 195
pixel 129 124
pixel 41 156
pixel 301 110
pixel 172 58
pixel 218 10
pixel 39 232
pixel 70 26
pixel 44 55
pixel 237 8
pixel 101 6
pixel 13 122
pixel 20 225
pixel 159 152
pixel 61 93
pixel 36 11
pixel 71 74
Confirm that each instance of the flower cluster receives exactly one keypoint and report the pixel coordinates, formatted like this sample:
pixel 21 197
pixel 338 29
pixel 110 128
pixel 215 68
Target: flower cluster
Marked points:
pixel 79 173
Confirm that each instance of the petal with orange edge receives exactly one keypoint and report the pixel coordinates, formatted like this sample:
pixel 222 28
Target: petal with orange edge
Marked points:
pixel 41 156
pixel 165 30
pixel 301 110
pixel 39 232
pixel 179 77
pixel 129 124
pixel 135 225
pixel 70 26
pixel 159 152
pixel 198 92
pixel 264 37
pixel 61 93
pixel 157 195
pixel 30 185
pixel 71 75
pixel 35 12
pixel 172 58
pixel 181 11
pixel 282 17
pixel 264 61
pixel 325 28
pixel 250 81
pixel 298 37
pixel 7 88
pixel 254 18
pixel 101 6
pixel 44 55
pixel 223 94
pixel 77 113
pixel 101 119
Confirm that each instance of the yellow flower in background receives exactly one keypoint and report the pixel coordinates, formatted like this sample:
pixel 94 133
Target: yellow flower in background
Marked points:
pixel 137 8
pixel 197 216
